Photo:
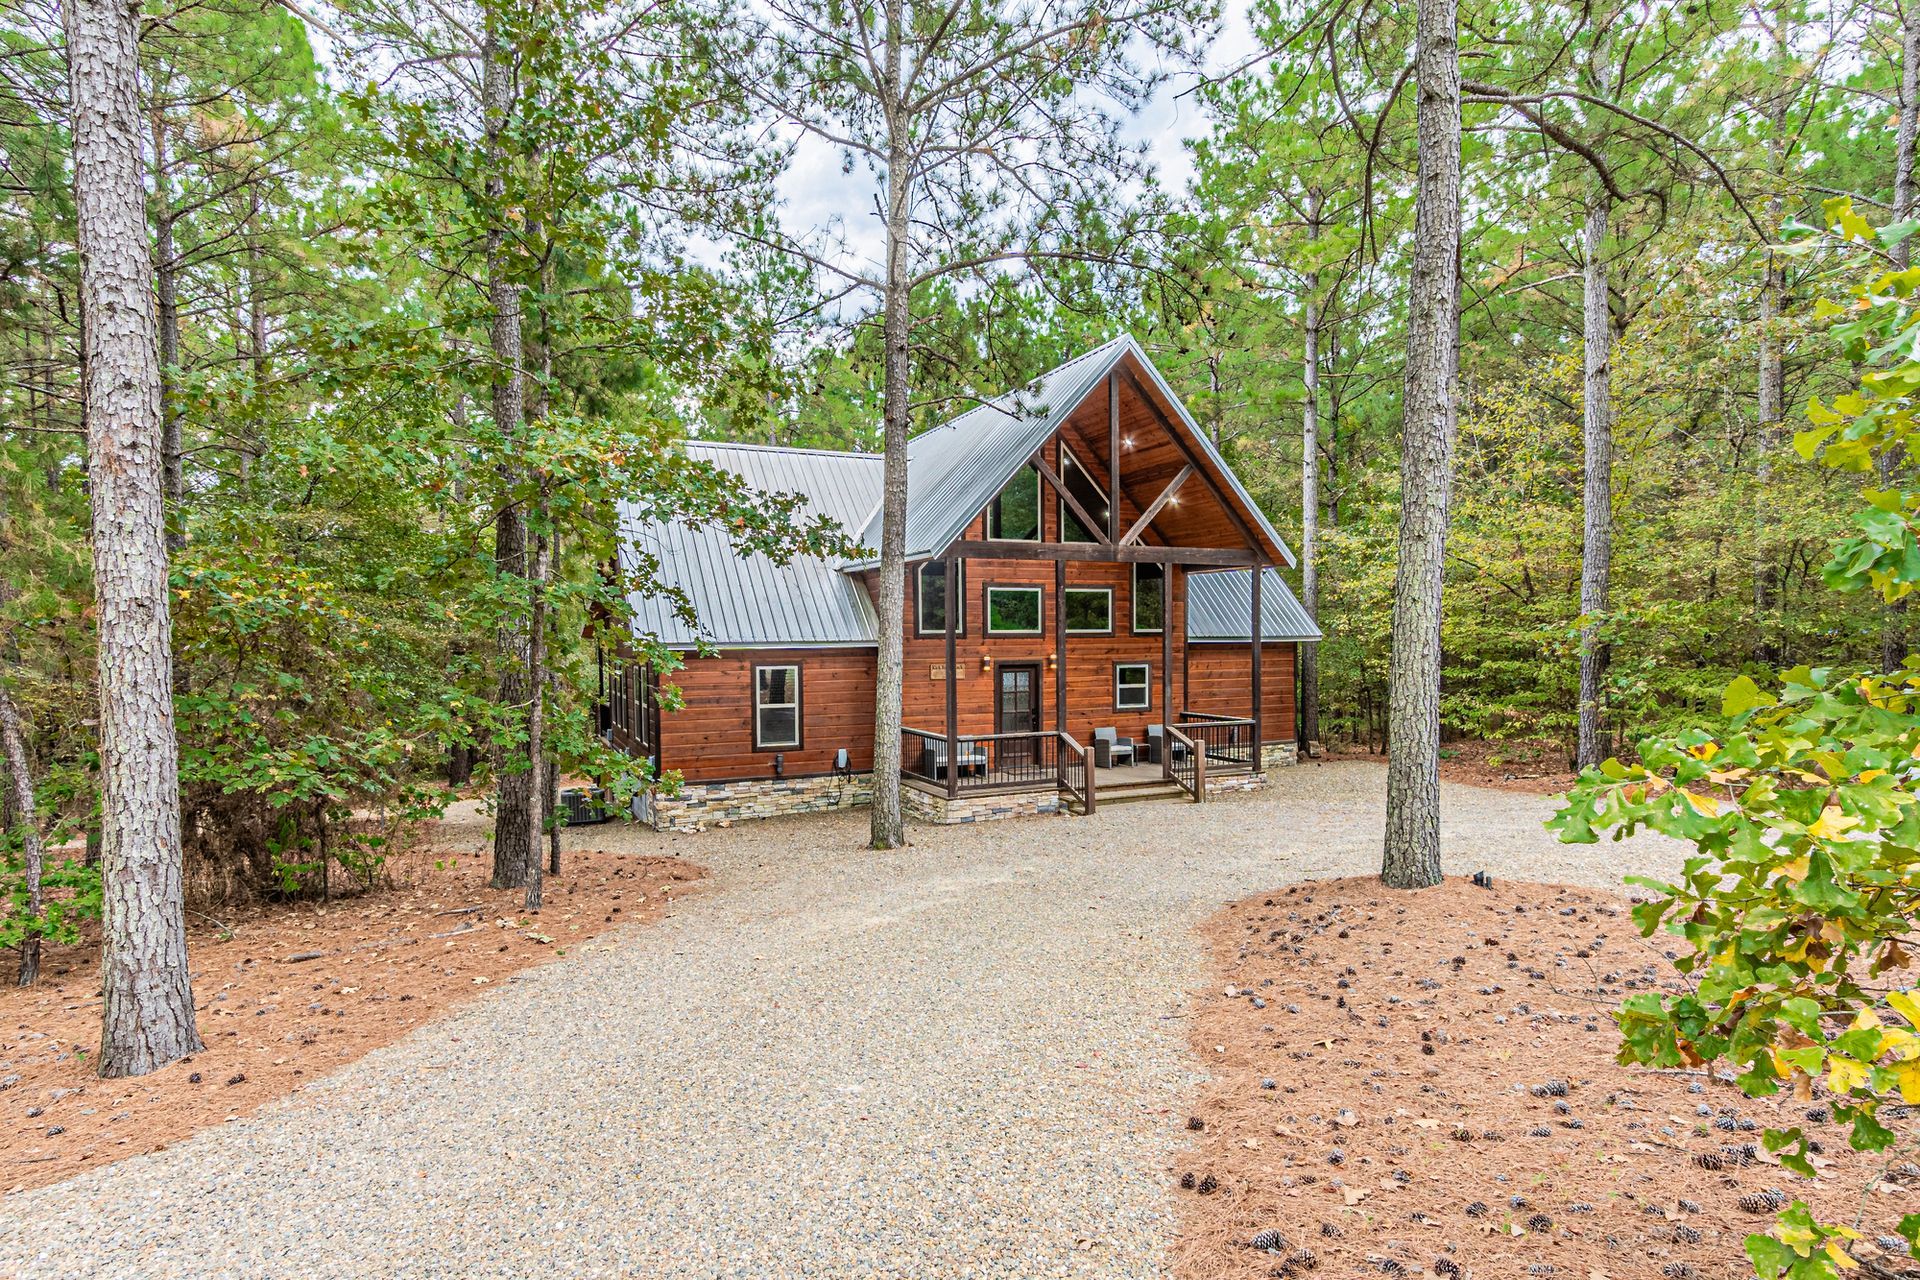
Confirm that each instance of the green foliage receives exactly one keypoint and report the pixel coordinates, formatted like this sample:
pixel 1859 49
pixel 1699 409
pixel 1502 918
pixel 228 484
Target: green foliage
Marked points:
pixel 1803 805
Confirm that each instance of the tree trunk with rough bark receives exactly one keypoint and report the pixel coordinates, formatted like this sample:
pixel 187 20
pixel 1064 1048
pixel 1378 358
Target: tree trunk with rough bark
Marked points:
pixel 1596 557
pixel 888 829
pixel 1411 858
pixel 13 745
pixel 166 292
pixel 513 834
pixel 1893 633
pixel 147 1006
pixel 537 706
pixel 1770 397
pixel 1310 498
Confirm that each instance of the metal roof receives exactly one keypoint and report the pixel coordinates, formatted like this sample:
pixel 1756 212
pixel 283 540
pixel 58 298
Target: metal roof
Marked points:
pixel 748 599
pixel 1219 602
pixel 953 471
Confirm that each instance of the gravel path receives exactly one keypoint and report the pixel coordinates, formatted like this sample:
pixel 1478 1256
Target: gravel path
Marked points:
pixel 963 1059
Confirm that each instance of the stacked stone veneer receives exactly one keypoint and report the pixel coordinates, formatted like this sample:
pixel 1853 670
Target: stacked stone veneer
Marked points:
pixel 700 805
pixel 929 807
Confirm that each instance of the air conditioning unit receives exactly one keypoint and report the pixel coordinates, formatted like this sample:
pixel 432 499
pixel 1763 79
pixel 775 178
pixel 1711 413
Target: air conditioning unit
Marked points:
pixel 584 806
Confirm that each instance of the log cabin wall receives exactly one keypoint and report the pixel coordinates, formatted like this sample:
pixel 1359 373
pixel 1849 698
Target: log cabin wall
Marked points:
pixel 1218 678
pixel 710 739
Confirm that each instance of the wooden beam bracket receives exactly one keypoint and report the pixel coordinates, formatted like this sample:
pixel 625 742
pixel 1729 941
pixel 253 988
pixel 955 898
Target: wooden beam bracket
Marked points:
pixel 1166 495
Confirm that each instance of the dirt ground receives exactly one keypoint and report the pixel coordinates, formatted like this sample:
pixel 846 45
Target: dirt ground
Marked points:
pixel 1536 767
pixel 288 992
pixel 1425 1084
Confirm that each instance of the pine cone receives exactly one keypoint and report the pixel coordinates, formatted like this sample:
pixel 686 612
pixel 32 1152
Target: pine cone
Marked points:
pixel 1305 1259
pixel 1328 1230
pixel 1446 1267
pixel 1269 1240
pixel 1709 1161
pixel 1478 1209
pixel 1539 1222
pixel 1684 1234
pixel 1551 1089
pixel 1761 1202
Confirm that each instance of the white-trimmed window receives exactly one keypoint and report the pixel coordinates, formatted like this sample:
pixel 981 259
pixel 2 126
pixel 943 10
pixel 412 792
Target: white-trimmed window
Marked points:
pixel 617 694
pixel 930 598
pixel 776 708
pixel 1132 686
pixel 1014 611
pixel 1149 598
pixel 1089 611
pixel 1014 513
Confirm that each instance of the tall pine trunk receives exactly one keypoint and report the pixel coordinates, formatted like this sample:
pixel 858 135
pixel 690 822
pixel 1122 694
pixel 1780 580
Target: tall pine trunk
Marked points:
pixel 1411 859
pixel 1771 393
pixel 888 829
pixel 513 833
pixel 13 746
pixel 147 1009
pixel 1893 632
pixel 1310 499
pixel 166 291
pixel 1596 557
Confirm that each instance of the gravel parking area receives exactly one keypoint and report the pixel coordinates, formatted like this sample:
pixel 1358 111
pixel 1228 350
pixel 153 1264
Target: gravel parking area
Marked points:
pixel 962 1059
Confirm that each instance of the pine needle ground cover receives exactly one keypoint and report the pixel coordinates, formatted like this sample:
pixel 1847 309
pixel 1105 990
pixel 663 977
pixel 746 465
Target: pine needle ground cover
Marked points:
pixel 287 992
pixel 1408 1084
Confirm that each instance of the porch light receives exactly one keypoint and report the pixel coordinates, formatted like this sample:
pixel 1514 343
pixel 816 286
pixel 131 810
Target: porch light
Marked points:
pixel 1053 661
pixel 986 662
pixel 1127 441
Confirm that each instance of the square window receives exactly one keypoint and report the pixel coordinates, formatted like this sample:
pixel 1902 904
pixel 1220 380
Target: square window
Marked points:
pixel 1149 598
pixel 1132 686
pixel 776 708
pixel 1089 611
pixel 1013 611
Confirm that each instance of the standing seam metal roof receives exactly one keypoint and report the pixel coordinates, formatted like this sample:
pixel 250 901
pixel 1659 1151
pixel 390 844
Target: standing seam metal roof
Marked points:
pixel 749 599
pixel 1219 602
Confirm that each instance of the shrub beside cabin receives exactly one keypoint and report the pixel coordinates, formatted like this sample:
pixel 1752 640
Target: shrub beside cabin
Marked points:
pixel 1082 572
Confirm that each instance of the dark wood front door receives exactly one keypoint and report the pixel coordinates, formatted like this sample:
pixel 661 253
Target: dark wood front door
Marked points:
pixel 1016 709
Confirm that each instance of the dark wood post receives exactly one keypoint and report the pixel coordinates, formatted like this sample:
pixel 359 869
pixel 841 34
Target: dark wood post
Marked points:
pixel 953 680
pixel 1060 646
pixel 1257 634
pixel 1113 457
pixel 1166 668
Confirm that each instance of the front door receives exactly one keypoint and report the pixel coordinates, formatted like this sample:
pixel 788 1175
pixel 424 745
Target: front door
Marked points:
pixel 1017 710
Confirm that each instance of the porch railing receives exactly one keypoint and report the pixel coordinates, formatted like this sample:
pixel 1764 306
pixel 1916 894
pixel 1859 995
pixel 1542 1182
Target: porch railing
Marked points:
pixel 1186 764
pixel 988 762
pixel 1227 740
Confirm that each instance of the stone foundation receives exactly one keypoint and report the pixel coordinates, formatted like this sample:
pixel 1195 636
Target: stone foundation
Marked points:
pixel 929 807
pixel 1277 755
pixel 700 805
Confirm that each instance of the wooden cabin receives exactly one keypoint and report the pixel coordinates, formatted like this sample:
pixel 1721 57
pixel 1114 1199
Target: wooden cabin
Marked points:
pixel 1083 571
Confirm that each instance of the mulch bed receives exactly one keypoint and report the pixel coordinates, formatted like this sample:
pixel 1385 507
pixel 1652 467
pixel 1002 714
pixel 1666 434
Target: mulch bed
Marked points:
pixel 1425 1084
pixel 289 991
pixel 1536 766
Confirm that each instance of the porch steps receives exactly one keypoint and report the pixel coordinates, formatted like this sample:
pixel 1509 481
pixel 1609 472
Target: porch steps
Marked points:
pixel 1137 791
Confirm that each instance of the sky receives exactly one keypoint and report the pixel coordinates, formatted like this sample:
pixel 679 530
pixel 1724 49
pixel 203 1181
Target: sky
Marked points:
pixel 818 195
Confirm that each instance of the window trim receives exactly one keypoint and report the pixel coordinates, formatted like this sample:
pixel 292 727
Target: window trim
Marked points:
pixel 1133 604
pixel 1039 510
pixel 959 597
pixel 1118 705
pixel 1066 513
pixel 986 607
pixel 1087 631
pixel 798 704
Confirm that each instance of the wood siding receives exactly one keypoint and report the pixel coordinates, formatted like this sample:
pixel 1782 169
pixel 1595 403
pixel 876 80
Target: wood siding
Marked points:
pixel 710 739
pixel 1219 678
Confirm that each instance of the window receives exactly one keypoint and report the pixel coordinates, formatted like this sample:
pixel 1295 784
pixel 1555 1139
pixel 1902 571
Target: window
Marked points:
pixel 1150 598
pixel 1089 611
pixel 1086 493
pixel 1014 513
pixel 1132 686
pixel 617 694
pixel 1013 611
pixel 930 599
pixel 776 707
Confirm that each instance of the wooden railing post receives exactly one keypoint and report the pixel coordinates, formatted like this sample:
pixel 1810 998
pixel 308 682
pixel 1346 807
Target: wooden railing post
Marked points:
pixel 1200 771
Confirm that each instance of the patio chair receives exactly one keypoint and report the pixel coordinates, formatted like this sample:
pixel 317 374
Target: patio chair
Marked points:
pixel 973 759
pixel 1157 746
pixel 1110 749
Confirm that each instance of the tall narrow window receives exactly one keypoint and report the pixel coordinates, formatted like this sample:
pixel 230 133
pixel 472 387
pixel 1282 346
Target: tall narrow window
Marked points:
pixel 617 694
pixel 1014 514
pixel 930 599
pixel 1150 598
pixel 1086 493
pixel 776 708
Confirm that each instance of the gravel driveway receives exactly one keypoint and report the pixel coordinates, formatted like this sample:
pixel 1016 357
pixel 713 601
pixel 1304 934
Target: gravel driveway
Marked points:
pixel 962 1059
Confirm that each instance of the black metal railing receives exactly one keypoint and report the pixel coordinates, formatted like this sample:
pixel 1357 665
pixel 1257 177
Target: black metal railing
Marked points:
pixel 1228 742
pixel 1185 764
pixel 984 762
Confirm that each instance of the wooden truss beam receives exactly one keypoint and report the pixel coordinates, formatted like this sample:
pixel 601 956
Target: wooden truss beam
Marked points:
pixel 1146 517
pixel 1133 554
pixel 1098 527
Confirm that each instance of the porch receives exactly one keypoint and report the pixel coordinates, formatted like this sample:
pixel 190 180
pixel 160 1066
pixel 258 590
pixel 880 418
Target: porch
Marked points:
pixel 1186 758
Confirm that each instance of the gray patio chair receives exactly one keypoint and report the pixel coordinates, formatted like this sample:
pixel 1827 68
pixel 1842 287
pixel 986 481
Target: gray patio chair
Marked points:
pixel 1110 749
pixel 1157 746
pixel 973 759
